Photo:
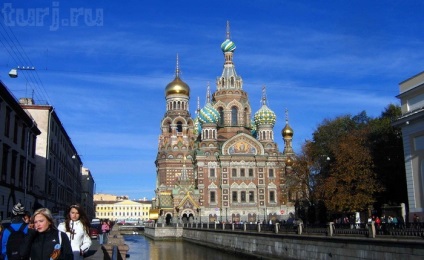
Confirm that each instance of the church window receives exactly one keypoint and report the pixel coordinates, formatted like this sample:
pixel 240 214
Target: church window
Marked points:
pixel 221 115
pixel 251 196
pixel 245 117
pixel 179 127
pixel 234 172
pixel 235 196
pixel 212 173
pixel 234 119
pixel 272 196
pixel 271 173
pixel 243 196
pixel 242 172
pixel 250 172
pixel 212 197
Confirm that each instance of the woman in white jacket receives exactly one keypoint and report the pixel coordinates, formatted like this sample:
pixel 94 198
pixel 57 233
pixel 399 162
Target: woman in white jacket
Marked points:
pixel 77 228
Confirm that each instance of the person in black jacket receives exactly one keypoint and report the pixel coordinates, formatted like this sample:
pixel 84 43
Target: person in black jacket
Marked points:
pixel 45 241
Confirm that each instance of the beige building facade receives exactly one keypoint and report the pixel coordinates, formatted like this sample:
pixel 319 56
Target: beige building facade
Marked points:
pixel 58 183
pixel 412 124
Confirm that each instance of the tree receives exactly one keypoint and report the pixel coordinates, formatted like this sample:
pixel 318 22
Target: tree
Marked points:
pixel 351 183
pixel 386 146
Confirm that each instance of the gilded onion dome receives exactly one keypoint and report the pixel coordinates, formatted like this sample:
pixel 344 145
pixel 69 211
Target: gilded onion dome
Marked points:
pixel 287 130
pixel 209 114
pixel 177 86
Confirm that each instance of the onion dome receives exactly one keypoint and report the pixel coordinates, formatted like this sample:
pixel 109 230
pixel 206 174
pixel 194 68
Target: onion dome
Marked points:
pixel 228 46
pixel 287 131
pixel 177 86
pixel 209 114
pixel 265 116
pixel 289 162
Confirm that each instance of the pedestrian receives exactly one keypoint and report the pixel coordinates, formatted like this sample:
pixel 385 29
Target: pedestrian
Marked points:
pixel 45 241
pixel 105 228
pixel 13 234
pixel 77 227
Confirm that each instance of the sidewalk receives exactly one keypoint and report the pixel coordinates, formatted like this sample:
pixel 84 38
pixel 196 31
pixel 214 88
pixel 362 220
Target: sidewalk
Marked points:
pixel 95 252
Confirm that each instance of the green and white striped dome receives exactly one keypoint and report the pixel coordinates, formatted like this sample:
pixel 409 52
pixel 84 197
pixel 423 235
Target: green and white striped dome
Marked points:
pixel 209 114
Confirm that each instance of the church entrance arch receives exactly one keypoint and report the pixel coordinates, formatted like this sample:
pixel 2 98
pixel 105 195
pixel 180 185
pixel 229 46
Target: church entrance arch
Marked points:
pixel 168 219
pixel 187 216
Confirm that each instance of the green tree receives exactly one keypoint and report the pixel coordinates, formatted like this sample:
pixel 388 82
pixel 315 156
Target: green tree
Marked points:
pixel 385 142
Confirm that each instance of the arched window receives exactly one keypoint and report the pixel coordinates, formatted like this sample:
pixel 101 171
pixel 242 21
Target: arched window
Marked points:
pixel 234 119
pixel 221 114
pixel 179 126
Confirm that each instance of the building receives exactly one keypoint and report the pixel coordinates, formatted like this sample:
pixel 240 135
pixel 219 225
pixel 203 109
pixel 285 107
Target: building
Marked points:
pixel 412 124
pixel 121 208
pixel 18 135
pixel 224 164
pixel 59 165
pixel 88 190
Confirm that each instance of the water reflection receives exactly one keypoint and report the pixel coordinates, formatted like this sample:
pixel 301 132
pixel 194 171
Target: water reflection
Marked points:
pixel 144 248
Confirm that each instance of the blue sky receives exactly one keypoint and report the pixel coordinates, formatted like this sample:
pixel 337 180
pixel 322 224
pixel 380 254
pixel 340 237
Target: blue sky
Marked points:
pixel 105 72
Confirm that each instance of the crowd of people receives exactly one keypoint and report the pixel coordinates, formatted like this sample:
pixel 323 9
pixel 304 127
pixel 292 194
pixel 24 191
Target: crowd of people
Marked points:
pixel 37 237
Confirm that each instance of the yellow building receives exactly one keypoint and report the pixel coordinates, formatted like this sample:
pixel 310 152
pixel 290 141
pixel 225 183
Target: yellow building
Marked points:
pixel 121 208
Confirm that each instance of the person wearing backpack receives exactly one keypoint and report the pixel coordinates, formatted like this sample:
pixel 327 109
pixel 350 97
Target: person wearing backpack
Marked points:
pixel 14 234
pixel 45 241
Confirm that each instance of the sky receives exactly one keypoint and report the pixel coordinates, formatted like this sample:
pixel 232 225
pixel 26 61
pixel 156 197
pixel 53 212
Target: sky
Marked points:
pixel 104 66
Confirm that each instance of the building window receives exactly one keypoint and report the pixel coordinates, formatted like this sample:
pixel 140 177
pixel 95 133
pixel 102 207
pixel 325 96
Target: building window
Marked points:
pixel 212 197
pixel 235 196
pixel 179 127
pixel 251 196
pixel 272 196
pixel 234 172
pixel 243 196
pixel 212 173
pixel 221 114
pixel 250 172
pixel 234 120
pixel 271 173
pixel 7 123
pixel 242 172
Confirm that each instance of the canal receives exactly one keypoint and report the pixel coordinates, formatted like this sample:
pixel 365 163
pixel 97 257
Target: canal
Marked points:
pixel 142 248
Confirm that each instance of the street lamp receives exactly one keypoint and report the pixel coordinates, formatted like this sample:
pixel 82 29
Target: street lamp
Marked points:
pixel 13 73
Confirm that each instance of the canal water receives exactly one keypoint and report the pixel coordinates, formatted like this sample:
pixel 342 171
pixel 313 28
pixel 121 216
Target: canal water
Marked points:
pixel 142 248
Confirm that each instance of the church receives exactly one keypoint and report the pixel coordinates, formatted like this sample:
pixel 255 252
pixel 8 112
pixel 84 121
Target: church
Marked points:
pixel 224 164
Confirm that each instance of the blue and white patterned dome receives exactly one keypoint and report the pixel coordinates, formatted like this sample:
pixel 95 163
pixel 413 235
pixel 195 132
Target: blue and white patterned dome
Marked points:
pixel 209 114
pixel 265 116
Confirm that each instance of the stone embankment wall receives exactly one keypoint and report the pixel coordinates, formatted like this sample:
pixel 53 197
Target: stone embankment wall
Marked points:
pixel 163 232
pixel 277 246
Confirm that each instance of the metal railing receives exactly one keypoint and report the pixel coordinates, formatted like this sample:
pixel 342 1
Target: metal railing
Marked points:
pixel 415 230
